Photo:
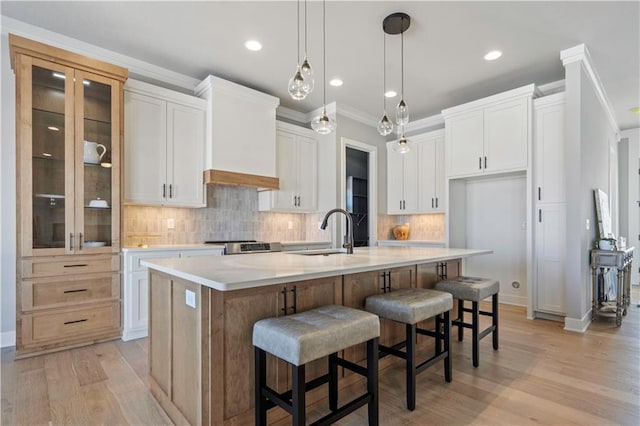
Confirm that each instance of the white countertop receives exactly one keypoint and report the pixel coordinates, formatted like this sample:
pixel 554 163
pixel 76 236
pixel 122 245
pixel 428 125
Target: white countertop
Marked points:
pixel 412 242
pixel 173 247
pixel 226 273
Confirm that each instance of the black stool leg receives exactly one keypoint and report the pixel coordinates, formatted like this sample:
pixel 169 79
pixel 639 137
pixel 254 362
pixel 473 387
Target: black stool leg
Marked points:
pixel 475 325
pixel 447 346
pixel 494 302
pixel 260 369
pixel 411 366
pixel 460 319
pixel 438 335
pixel 298 395
pixel 333 382
pixel 372 381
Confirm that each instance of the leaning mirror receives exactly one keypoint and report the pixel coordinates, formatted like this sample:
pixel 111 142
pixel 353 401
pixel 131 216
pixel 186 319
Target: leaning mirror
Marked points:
pixel 602 214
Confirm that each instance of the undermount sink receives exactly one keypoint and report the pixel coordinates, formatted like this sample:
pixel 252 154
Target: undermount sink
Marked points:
pixel 322 252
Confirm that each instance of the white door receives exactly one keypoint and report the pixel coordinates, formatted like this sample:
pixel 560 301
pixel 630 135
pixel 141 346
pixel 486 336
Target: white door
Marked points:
pixel 427 176
pixel 464 136
pixel 145 158
pixel 505 136
pixel 440 175
pixel 395 181
pixel 287 170
pixel 550 255
pixel 549 154
pixel 136 318
pixel 185 151
pixel 307 164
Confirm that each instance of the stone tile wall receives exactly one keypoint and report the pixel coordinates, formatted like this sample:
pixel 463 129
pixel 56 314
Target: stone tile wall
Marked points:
pixel 429 227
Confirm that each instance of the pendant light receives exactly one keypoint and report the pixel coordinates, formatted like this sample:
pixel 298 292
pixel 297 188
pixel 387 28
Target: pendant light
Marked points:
pixel 305 68
pixel 385 126
pixel 298 88
pixel 398 23
pixel 324 124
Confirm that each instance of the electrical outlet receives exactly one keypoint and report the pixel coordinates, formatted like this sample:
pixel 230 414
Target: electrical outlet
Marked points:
pixel 190 298
pixel 588 225
pixel 290 225
pixel 171 224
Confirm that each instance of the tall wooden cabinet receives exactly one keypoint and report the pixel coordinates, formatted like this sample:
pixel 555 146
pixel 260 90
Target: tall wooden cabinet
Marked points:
pixel 68 135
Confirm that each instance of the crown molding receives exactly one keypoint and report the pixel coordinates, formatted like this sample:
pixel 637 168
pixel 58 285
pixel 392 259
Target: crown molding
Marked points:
pixel 357 115
pixel 431 122
pixel 550 88
pixel 581 54
pixel 218 84
pixel 520 92
pixel 135 66
pixel 291 114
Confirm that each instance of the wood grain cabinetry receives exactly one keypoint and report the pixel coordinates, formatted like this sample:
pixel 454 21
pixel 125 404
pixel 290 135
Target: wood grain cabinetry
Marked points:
pixel 69 115
pixel 164 129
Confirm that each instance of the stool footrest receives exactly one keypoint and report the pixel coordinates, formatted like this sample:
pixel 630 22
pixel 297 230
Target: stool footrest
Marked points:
pixel 459 323
pixel 285 397
pixel 346 409
pixel 428 363
pixel 486 331
pixel 358 369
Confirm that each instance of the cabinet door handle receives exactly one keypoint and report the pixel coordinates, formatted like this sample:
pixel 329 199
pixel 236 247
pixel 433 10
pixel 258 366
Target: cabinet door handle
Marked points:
pixel 295 299
pixel 284 298
pixel 436 202
pixel 170 190
pixel 75 291
pixel 432 205
pixel 73 322
pixel 389 281
pixel 71 241
pixel 480 163
pixel 164 190
pixel 299 201
pixel 539 194
pixel 404 204
pixel 76 265
pixel 485 161
pixel 540 215
pixel 295 200
pixel 400 204
pixel 80 240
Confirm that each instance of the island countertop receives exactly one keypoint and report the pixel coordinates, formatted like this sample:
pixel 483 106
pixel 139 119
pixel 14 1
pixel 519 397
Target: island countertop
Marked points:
pixel 226 273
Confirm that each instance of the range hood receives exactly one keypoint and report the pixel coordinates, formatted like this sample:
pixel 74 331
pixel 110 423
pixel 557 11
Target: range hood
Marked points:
pixel 225 177
pixel 240 135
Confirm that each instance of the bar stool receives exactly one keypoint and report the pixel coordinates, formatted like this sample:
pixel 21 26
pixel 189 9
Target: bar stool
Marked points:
pixel 410 306
pixel 475 290
pixel 301 338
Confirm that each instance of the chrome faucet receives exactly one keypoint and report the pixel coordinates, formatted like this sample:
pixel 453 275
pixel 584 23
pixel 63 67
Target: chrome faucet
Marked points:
pixel 348 237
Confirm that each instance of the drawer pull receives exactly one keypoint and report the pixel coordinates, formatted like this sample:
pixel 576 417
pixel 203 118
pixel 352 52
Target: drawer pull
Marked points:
pixel 76 265
pixel 75 291
pixel 73 322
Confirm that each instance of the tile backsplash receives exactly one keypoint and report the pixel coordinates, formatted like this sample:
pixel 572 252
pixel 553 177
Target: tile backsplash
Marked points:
pixel 231 214
pixel 429 227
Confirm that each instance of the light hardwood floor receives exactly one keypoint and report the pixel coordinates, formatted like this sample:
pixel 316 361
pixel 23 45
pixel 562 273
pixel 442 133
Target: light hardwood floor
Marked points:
pixel 540 375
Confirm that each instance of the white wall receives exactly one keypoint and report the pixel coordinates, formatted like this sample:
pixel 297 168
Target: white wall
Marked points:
pixel 628 157
pixel 590 145
pixel 496 212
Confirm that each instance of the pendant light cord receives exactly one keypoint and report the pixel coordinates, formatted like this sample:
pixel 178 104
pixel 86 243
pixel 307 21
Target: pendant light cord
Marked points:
pixel 324 55
pixel 298 51
pixel 384 72
pixel 402 60
pixel 305 28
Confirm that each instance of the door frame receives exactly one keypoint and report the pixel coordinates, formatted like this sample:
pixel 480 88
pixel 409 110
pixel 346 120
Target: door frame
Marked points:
pixel 372 150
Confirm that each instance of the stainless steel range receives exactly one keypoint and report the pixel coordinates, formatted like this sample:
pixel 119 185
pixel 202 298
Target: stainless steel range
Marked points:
pixel 246 246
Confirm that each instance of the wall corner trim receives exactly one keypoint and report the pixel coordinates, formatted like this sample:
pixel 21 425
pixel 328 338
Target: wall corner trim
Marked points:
pixel 7 338
pixel 581 54
pixel 578 325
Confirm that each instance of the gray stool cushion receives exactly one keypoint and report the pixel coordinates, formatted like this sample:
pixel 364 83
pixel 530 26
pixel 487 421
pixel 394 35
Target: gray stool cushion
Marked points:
pixel 301 338
pixel 410 305
pixel 470 288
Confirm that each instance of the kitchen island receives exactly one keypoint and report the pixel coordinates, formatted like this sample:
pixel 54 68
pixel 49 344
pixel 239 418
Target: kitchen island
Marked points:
pixel 202 312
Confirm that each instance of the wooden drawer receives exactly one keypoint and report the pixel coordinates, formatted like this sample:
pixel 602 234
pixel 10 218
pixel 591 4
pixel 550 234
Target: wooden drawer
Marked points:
pixel 69 265
pixel 71 324
pixel 53 292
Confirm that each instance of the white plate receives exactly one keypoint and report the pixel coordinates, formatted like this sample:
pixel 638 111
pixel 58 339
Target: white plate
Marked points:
pixel 95 243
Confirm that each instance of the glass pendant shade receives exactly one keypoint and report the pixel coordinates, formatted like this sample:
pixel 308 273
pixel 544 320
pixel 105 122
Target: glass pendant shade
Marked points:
pixel 402 113
pixel 323 124
pixel 403 145
pixel 307 74
pixel 385 126
pixel 298 87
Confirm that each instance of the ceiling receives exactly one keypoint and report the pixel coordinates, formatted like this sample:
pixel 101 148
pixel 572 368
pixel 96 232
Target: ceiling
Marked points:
pixel 443 48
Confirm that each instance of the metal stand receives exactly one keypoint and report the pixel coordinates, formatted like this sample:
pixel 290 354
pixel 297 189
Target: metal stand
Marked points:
pixel 613 259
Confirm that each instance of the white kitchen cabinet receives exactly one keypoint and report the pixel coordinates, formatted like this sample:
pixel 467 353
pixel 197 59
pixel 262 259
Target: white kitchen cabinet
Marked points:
pixel 136 283
pixel 431 173
pixel 550 205
pixel 241 132
pixel 402 181
pixel 164 147
pixel 489 135
pixel 297 169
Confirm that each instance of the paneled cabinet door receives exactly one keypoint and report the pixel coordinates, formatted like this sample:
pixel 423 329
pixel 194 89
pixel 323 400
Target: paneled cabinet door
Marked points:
pixel 549 154
pixel 464 135
pixel 505 136
pixel 431 176
pixel 136 315
pixel 550 263
pixel 287 167
pixel 402 181
pixel 307 174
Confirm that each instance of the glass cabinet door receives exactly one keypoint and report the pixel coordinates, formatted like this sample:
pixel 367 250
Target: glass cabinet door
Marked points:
pixel 96 153
pixel 51 159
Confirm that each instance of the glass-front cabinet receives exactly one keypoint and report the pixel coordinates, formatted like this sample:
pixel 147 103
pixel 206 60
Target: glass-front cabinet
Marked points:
pixel 69 112
pixel 68 159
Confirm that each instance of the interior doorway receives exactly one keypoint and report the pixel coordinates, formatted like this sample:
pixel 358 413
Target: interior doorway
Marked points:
pixel 358 192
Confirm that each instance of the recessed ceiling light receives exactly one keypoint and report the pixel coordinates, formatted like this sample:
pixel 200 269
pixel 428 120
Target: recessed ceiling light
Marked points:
pixel 336 82
pixel 494 54
pixel 253 45
pixel 635 110
pixel 54 128
pixel 391 94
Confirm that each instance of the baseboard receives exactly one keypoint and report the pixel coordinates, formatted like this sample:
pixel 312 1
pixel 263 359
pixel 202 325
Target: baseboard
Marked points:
pixel 578 325
pixel 135 333
pixel 7 338
pixel 509 299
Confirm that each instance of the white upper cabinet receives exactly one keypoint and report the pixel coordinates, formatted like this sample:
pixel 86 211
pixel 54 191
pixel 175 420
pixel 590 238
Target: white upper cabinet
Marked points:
pixel 163 146
pixel 241 128
pixel 402 181
pixel 549 149
pixel 297 169
pixel 431 173
pixel 489 135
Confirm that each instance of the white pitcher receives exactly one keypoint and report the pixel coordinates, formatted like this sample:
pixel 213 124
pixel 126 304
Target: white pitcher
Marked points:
pixel 91 154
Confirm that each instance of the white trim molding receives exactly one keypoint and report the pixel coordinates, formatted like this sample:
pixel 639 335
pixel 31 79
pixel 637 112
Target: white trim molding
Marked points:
pixel 7 338
pixel 550 88
pixel 291 114
pixel 578 325
pixel 427 123
pixel 580 53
